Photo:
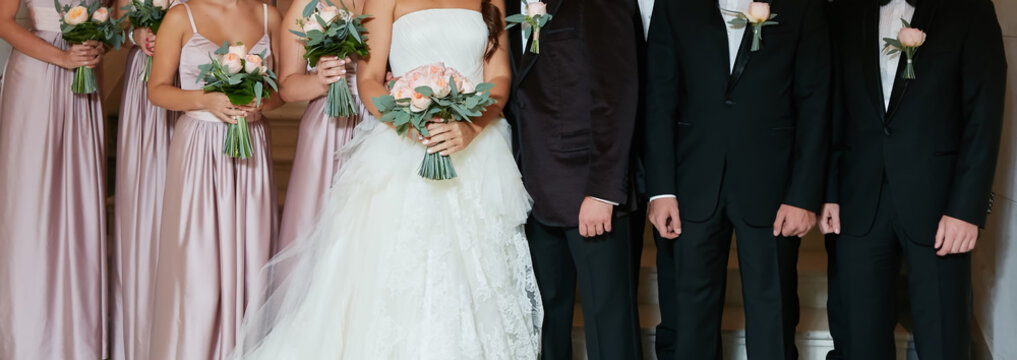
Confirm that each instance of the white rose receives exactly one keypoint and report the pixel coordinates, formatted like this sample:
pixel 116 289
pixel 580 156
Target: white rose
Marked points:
pixel 165 4
pixel 239 50
pixel 312 24
pixel 536 8
pixel 100 15
pixel 329 13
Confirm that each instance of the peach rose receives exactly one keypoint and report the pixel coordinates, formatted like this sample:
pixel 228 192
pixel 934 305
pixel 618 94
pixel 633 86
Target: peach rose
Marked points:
pixel 100 15
pixel 758 12
pixel 401 91
pixel 311 24
pixel 76 15
pixel 419 102
pixel 252 64
pixel 439 85
pixel 329 13
pixel 911 37
pixel 536 8
pixel 232 63
pixel 239 49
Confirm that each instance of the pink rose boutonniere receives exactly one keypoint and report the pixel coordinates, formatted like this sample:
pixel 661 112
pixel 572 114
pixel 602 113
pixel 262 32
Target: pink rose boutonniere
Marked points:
pixel 536 17
pixel 758 16
pixel 908 40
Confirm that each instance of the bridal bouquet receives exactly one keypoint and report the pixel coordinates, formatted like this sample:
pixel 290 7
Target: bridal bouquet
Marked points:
pixel 146 14
pixel 332 31
pixel 242 77
pixel 433 93
pixel 83 23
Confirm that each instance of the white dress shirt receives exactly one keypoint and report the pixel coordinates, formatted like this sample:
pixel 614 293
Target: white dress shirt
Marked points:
pixel 890 24
pixel 645 10
pixel 522 7
pixel 734 42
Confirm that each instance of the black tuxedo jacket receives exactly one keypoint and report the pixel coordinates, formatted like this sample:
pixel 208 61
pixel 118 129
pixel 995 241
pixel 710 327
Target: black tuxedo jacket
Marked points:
pixel 762 128
pixel 937 143
pixel 574 106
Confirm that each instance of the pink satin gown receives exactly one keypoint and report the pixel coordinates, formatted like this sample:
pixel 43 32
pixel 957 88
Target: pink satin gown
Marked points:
pixel 52 222
pixel 218 226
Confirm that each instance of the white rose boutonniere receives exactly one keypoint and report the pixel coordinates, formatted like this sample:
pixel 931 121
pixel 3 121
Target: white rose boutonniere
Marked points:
pixel 536 17
pixel 758 16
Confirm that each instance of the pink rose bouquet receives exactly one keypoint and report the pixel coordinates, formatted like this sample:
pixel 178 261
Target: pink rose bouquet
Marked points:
pixel 332 31
pixel 908 40
pixel 87 22
pixel 242 77
pixel 146 14
pixel 433 93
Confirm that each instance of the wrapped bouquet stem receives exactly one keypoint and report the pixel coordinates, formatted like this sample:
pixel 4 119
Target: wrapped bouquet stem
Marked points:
pixel 83 23
pixel 146 14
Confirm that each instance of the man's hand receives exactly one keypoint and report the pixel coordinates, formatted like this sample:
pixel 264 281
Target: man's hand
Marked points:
pixel 829 222
pixel 594 217
pixel 955 236
pixel 663 214
pixel 793 221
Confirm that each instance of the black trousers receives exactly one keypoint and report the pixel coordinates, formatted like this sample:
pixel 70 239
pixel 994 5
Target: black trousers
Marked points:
pixel 601 266
pixel 834 309
pixel 940 289
pixel 692 274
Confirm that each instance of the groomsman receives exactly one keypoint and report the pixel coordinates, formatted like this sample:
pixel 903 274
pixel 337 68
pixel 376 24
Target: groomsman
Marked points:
pixel 736 143
pixel 914 154
pixel 574 110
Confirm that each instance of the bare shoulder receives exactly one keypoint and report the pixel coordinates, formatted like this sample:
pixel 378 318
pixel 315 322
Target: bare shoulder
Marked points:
pixel 175 20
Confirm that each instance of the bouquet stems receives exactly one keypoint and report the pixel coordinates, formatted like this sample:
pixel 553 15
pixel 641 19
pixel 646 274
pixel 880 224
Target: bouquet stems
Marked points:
pixel 84 81
pixel 238 140
pixel 437 167
pixel 148 68
pixel 757 37
pixel 340 101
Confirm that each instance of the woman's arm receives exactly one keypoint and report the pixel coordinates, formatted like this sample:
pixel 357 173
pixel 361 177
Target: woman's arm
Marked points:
pixel 175 31
pixel 27 43
pixel 371 70
pixel 273 29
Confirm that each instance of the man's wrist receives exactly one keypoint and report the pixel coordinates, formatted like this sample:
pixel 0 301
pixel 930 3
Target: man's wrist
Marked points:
pixel 609 202
pixel 663 196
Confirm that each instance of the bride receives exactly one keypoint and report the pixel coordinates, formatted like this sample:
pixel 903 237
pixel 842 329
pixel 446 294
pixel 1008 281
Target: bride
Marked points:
pixel 399 267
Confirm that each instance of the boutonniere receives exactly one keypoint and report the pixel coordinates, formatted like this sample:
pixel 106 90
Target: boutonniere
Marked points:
pixel 536 16
pixel 908 40
pixel 758 15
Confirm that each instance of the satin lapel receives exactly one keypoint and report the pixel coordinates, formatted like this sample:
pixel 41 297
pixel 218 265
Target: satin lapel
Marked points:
pixel 528 59
pixel 925 11
pixel 871 49
pixel 744 54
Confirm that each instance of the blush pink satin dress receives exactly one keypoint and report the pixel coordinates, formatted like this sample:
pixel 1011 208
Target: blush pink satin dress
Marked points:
pixel 52 208
pixel 218 225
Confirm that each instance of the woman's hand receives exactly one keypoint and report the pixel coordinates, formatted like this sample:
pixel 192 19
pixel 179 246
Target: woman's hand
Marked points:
pixel 145 40
pixel 331 69
pixel 219 105
pixel 87 55
pixel 450 138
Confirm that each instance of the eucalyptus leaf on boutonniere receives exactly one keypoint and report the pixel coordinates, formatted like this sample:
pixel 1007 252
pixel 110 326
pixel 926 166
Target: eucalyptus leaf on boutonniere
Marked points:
pixel 536 16
pixel 758 15
pixel 908 40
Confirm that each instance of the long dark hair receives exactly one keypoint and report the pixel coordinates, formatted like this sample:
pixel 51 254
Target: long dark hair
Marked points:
pixel 492 17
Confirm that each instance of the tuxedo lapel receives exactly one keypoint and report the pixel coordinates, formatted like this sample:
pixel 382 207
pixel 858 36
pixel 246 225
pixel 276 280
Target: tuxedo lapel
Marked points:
pixel 744 54
pixel 871 49
pixel 925 11
pixel 527 58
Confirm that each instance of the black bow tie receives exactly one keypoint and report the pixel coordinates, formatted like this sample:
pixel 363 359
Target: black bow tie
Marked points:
pixel 887 2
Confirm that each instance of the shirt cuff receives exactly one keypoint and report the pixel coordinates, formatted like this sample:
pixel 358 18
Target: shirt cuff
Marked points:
pixel 663 196
pixel 612 203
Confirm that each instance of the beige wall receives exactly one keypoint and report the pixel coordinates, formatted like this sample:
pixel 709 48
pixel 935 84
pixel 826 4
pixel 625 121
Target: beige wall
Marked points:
pixel 995 258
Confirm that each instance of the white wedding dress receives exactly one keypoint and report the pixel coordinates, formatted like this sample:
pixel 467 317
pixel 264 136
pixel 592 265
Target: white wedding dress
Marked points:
pixel 400 267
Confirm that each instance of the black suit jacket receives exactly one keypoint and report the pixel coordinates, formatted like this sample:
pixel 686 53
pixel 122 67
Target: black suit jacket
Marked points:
pixel 761 129
pixel 938 141
pixel 574 106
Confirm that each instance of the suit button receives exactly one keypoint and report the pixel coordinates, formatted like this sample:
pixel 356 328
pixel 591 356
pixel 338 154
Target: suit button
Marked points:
pixel 729 102
pixel 887 131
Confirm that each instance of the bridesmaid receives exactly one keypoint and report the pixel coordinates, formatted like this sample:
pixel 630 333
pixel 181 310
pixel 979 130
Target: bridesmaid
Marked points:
pixel 317 161
pixel 52 236
pixel 219 213
pixel 142 148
